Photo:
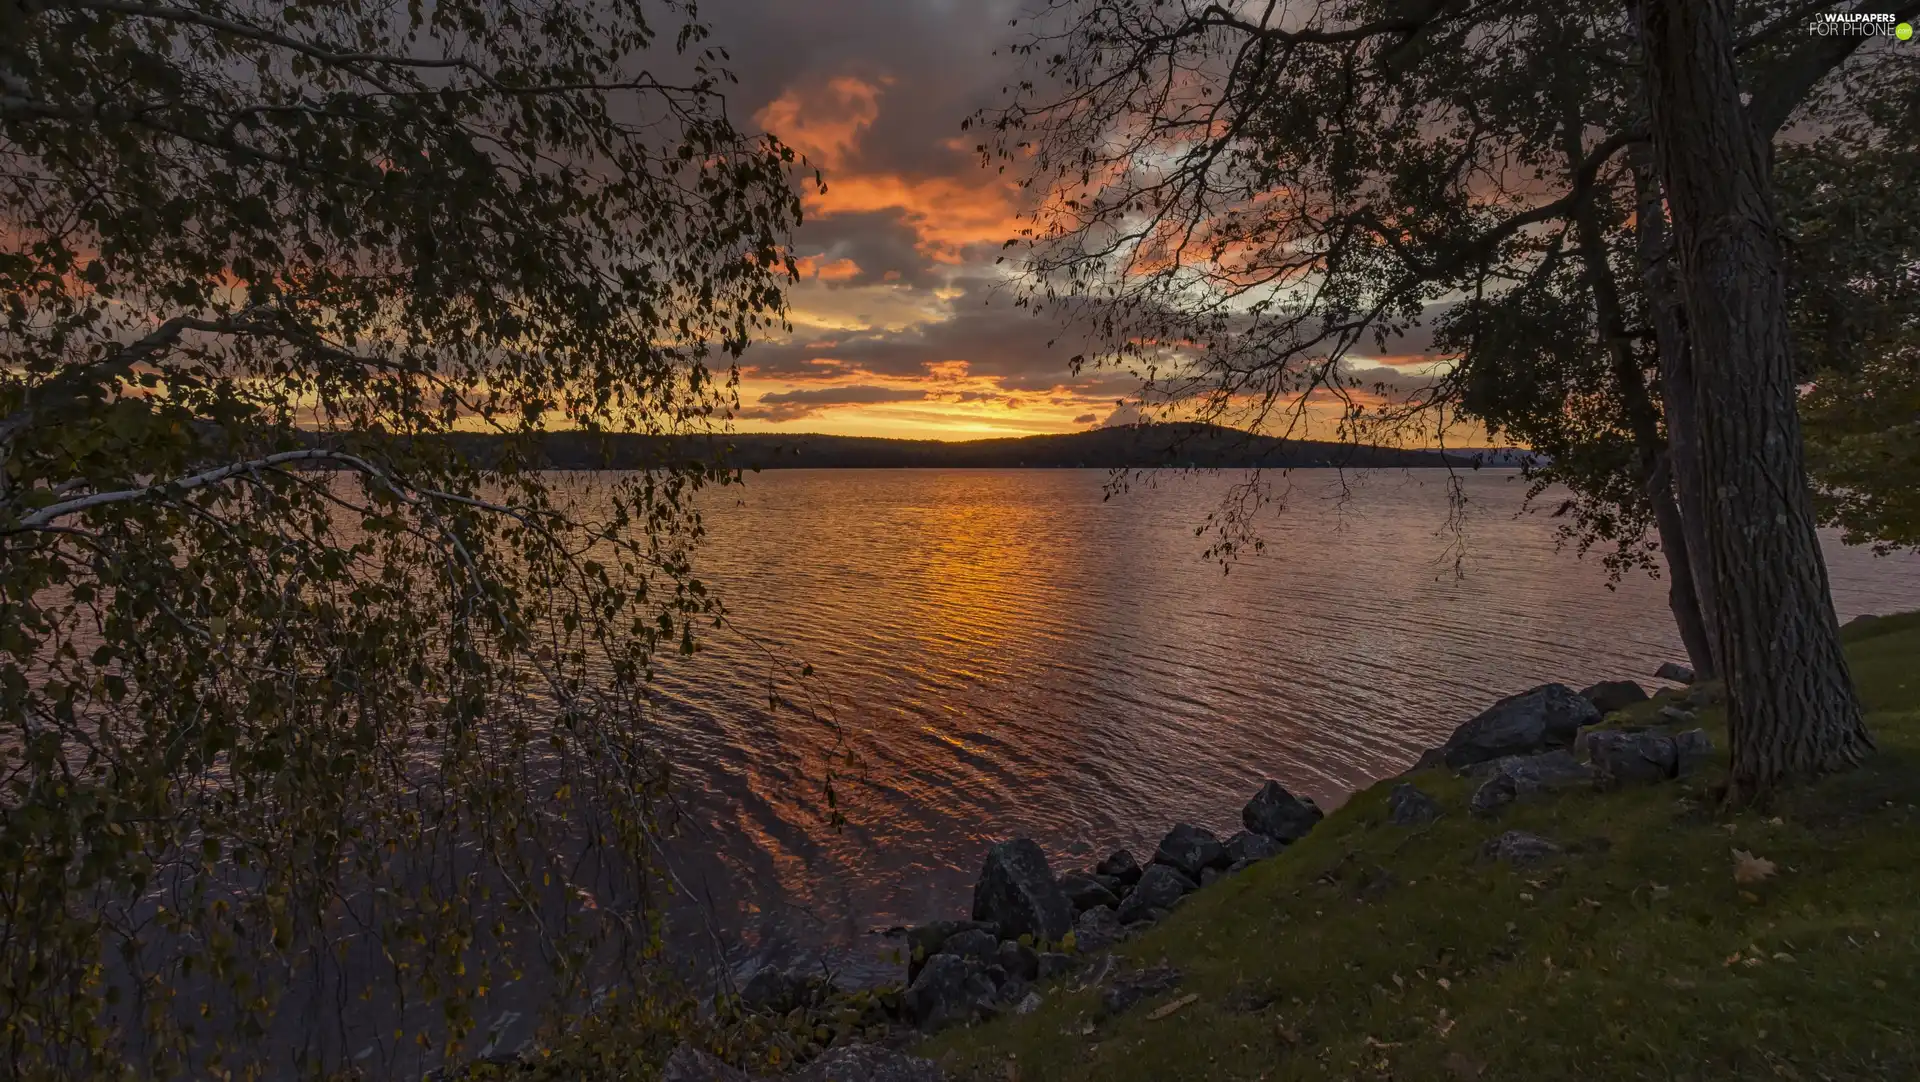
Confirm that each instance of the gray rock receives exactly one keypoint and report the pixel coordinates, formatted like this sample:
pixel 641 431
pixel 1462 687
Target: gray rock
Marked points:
pixel 1674 671
pixel 1098 929
pixel 772 988
pixel 1113 885
pixel 689 1064
pixel 1054 964
pixel 924 941
pixel 1029 1004
pixel 1127 989
pixel 1610 695
pixel 1159 888
pixel 1279 814
pixel 868 1063
pixel 950 990
pixel 1429 759
pixel 1210 876
pixel 1690 749
pixel 1493 794
pixel 1017 891
pixel 1409 806
pixel 1519 776
pixel 1542 719
pixel 1239 866
pixel 978 944
pixel 1629 758
pixel 1676 715
pixel 1246 847
pixel 1520 847
pixel 1188 848
pixel 1019 960
pixel 1086 892
pixel 1120 865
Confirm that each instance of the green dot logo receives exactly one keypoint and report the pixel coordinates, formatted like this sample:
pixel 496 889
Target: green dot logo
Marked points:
pixel 1904 31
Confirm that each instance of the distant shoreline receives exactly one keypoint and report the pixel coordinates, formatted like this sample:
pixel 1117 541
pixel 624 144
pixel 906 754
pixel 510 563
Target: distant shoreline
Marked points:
pixel 1181 446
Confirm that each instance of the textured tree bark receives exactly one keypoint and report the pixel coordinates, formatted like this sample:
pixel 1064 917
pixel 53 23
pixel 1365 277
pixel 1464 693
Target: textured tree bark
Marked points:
pixel 1642 419
pixel 1678 481
pixel 1792 709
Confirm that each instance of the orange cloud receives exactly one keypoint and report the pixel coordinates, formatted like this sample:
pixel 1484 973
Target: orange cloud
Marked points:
pixel 825 124
pixel 816 267
pixel 946 213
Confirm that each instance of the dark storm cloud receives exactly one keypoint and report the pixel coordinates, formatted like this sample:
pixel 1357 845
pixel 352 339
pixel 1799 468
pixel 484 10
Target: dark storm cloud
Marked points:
pixel 1023 352
pixel 881 243
pixel 937 54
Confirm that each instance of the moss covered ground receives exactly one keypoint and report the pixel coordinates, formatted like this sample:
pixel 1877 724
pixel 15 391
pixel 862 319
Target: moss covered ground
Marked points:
pixel 1649 950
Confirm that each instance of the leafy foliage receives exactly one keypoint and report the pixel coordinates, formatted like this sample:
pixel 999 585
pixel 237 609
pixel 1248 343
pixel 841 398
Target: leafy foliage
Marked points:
pixel 1854 272
pixel 301 708
pixel 1249 208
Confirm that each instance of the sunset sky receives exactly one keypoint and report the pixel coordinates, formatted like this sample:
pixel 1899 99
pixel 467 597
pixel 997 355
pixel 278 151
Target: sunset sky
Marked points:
pixel 898 327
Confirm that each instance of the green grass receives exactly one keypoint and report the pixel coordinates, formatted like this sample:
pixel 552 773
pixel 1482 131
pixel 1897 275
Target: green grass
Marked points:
pixel 1372 951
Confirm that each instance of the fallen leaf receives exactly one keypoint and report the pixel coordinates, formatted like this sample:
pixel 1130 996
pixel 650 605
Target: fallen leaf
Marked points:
pixel 1782 956
pixel 1166 1009
pixel 1444 983
pixel 1660 890
pixel 1748 868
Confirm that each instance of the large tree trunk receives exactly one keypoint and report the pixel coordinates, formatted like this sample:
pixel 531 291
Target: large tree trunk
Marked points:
pixel 1642 419
pixel 1676 483
pixel 1792 710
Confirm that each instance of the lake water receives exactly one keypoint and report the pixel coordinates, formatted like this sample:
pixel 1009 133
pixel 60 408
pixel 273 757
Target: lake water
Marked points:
pixel 1009 652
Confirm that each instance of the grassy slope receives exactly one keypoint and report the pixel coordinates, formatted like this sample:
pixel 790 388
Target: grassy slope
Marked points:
pixel 1636 955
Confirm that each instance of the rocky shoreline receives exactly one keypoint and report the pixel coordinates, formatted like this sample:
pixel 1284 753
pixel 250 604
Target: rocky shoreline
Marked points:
pixel 1029 925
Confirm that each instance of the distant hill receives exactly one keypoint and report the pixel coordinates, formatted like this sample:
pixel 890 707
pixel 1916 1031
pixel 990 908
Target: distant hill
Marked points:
pixel 1134 447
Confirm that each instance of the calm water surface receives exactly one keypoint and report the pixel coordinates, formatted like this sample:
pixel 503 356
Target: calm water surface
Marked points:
pixel 1007 652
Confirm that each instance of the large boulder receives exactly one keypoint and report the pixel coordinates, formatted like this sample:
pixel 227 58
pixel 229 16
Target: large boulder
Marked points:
pixel 1017 891
pixel 1159 888
pixel 950 990
pixel 1610 695
pixel 1279 814
pixel 1246 847
pixel 978 944
pixel 1545 718
pixel 1409 806
pixel 1020 961
pixel 1189 849
pixel 868 1063
pixel 1087 892
pixel 1690 749
pixel 1518 776
pixel 1098 929
pixel 1120 865
pixel 1626 757
pixel 925 941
